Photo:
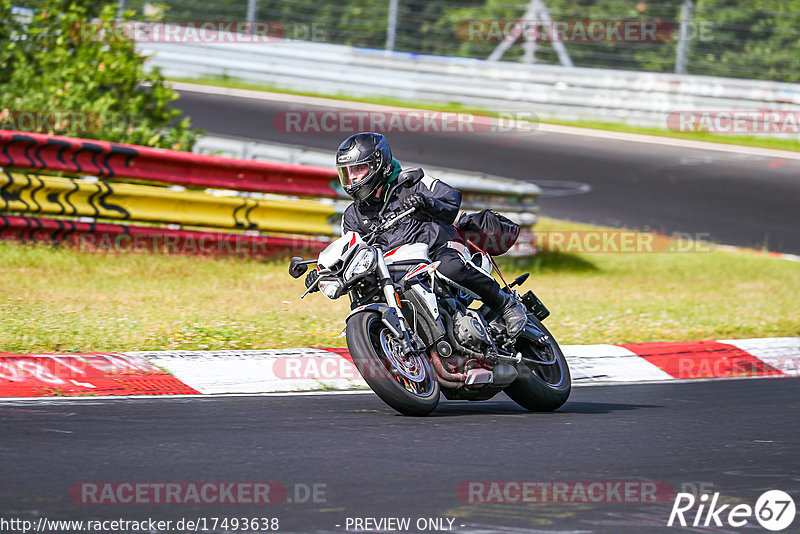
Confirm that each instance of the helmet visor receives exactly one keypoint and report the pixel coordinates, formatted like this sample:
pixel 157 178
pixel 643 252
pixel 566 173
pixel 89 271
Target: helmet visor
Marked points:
pixel 353 174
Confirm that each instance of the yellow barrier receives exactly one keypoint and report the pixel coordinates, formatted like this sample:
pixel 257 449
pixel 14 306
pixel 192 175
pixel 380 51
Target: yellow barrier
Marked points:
pixel 21 192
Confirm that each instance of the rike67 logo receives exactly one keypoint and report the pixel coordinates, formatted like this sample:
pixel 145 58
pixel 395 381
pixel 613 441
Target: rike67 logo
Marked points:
pixel 774 510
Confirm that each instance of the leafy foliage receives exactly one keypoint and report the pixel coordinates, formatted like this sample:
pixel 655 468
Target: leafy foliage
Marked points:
pixel 54 64
pixel 748 39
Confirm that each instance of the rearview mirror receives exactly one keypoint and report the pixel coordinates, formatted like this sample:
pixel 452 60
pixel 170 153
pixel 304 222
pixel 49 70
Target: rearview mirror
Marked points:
pixel 518 281
pixel 410 177
pixel 297 267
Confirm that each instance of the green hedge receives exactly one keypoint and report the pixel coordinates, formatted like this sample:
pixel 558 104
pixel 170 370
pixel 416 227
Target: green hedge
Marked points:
pixel 51 69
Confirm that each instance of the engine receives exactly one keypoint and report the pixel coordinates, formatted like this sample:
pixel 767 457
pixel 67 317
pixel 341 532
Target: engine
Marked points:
pixel 470 330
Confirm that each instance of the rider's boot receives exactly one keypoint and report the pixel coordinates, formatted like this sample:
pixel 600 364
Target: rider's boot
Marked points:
pixel 514 315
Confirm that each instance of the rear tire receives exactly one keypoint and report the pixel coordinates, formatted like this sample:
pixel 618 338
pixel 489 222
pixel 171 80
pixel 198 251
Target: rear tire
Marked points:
pixel 363 340
pixel 541 388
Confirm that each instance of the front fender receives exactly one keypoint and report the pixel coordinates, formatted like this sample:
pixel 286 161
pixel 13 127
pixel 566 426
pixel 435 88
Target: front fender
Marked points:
pixel 389 316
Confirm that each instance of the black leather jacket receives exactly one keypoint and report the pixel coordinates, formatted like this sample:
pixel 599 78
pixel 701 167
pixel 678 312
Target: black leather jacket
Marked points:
pixel 359 217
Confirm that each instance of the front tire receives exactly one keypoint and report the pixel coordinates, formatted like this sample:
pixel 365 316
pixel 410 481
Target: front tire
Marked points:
pixel 541 387
pixel 367 341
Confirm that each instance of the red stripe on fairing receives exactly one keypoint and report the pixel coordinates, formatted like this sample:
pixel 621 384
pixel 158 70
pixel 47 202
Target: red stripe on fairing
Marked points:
pixel 353 240
pixel 702 359
pixel 415 271
pixel 392 251
pixel 43 375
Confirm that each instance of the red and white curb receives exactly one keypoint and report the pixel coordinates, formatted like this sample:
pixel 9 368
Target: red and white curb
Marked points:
pixel 287 370
pixel 97 373
pixel 779 255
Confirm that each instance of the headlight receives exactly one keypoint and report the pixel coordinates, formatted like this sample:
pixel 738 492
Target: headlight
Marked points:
pixel 363 262
pixel 329 288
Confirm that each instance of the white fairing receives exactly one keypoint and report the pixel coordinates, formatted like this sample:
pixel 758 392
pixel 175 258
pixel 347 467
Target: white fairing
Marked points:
pixel 411 252
pixel 429 298
pixel 337 249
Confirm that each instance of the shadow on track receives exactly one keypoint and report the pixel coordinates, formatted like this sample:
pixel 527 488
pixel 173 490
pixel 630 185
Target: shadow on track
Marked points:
pixel 601 407
pixel 488 408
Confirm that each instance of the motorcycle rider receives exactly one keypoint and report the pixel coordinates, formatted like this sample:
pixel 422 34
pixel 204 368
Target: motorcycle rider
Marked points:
pixel 368 172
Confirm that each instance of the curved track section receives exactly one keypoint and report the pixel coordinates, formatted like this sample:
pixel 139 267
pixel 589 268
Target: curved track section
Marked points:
pixel 733 198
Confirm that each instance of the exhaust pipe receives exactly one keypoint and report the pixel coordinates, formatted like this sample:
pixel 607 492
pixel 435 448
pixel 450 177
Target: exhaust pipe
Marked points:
pixel 446 378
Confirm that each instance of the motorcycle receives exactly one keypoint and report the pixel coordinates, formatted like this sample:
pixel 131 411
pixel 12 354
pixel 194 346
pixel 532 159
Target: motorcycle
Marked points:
pixel 412 333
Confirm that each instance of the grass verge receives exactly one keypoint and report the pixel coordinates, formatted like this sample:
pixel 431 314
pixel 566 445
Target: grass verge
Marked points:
pixel 61 300
pixel 742 140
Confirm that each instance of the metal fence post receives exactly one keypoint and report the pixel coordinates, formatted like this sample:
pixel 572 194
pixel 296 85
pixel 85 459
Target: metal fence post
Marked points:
pixel 682 52
pixel 391 25
pixel 251 10
pixel 121 5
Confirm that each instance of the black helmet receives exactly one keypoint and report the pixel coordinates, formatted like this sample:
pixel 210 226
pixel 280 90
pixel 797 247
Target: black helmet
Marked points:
pixel 364 163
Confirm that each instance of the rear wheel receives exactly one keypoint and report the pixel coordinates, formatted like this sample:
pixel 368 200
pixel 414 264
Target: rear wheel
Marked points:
pixel 541 387
pixel 407 384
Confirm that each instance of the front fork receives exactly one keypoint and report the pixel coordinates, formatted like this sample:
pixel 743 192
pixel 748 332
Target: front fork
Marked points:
pixel 400 328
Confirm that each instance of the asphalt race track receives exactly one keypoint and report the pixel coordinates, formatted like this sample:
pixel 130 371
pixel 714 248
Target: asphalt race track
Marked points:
pixel 739 438
pixel 729 198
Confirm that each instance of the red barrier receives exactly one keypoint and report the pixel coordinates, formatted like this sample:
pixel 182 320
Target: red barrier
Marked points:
pixel 124 238
pixel 33 151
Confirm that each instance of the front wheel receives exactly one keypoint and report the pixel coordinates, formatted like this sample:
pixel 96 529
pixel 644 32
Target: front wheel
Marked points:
pixel 541 387
pixel 407 384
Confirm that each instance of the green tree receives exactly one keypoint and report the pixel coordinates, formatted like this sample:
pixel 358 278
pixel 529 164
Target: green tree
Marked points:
pixel 53 64
pixel 747 40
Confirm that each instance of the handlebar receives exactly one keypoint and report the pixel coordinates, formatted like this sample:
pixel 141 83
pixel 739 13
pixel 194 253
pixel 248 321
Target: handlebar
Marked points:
pixel 388 223
pixel 369 239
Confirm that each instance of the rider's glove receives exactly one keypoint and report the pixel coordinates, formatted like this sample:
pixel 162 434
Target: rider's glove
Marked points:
pixel 311 278
pixel 420 203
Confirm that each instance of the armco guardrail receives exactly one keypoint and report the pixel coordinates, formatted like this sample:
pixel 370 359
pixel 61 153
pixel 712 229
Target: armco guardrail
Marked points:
pixel 90 236
pixel 32 151
pixel 29 193
pixel 231 207
pixel 193 203
pixel 638 98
